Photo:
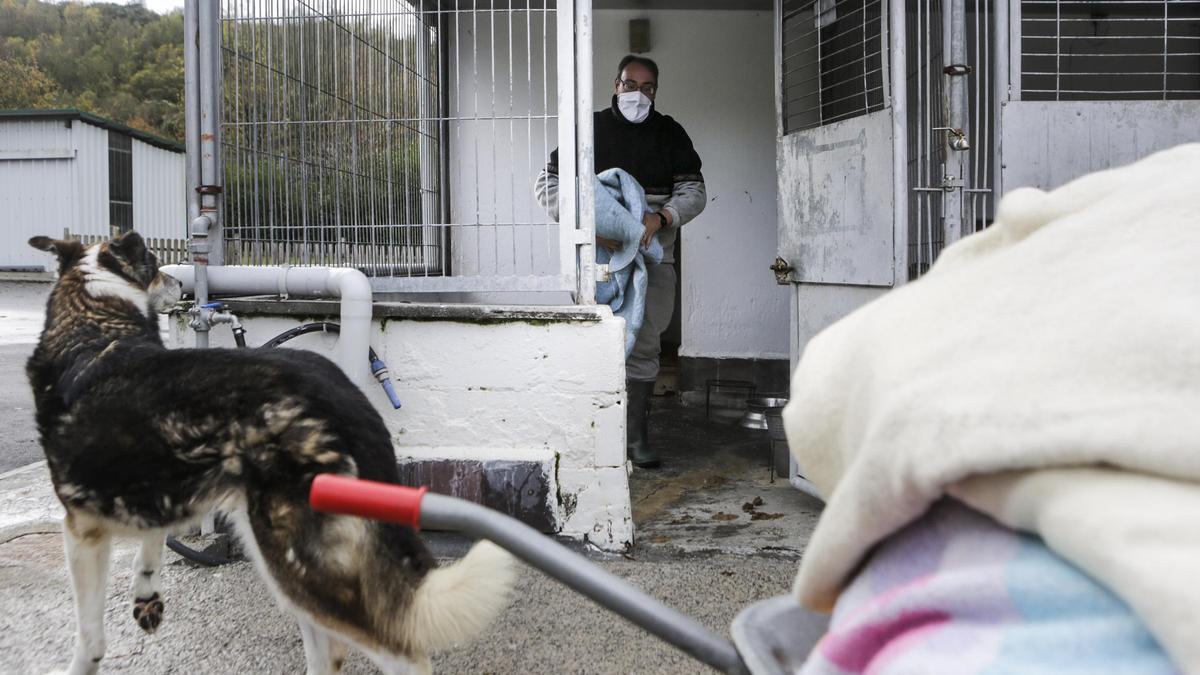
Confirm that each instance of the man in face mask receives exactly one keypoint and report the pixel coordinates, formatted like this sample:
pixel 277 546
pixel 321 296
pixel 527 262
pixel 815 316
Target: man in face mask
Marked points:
pixel 631 135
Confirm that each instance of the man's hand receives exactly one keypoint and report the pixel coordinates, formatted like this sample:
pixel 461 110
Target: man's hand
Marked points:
pixel 610 244
pixel 653 224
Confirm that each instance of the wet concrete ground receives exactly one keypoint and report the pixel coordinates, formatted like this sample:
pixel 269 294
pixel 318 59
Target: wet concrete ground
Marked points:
pixel 714 492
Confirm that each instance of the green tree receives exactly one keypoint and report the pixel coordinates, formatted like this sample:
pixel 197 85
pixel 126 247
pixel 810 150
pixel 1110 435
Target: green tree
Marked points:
pixel 123 62
pixel 24 85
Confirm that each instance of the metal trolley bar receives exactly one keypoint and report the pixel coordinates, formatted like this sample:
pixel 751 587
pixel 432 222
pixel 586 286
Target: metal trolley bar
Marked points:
pixel 414 507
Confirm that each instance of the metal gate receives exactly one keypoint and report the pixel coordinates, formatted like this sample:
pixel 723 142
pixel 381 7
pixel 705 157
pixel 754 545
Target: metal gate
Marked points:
pixel 836 132
pixel 399 137
pixel 950 126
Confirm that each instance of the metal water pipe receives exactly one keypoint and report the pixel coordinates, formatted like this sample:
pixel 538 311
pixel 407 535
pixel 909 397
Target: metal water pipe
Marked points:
pixel 349 285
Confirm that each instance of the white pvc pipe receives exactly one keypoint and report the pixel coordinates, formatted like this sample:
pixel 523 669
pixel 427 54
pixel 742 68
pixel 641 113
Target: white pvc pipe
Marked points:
pixel 349 285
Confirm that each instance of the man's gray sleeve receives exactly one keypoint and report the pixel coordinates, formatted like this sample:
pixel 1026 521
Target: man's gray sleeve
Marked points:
pixel 546 191
pixel 688 199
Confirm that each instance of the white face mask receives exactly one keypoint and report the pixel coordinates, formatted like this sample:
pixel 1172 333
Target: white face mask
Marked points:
pixel 634 105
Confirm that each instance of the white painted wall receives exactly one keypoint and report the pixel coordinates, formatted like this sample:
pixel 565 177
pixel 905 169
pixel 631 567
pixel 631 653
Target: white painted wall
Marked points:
pixel 532 391
pixel 716 79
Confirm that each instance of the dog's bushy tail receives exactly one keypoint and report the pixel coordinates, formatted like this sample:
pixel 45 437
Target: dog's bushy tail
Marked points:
pixel 456 602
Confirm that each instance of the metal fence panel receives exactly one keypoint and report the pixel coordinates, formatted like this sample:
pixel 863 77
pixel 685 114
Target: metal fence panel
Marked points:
pixel 400 138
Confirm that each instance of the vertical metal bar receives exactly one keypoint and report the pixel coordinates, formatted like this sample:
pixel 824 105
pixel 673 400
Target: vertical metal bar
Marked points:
pixel 512 142
pixel 818 13
pixel 546 108
pixel 427 108
pixel 885 66
pixel 926 68
pixel 586 289
pixel 1057 50
pixel 954 109
pixel 210 126
pixel 193 104
pixel 1014 50
pixel 495 176
pixel 458 104
pixel 778 64
pixel 865 60
pixel 443 83
pixel 898 55
pixel 1001 88
pixel 529 119
pixel 1166 47
pixel 478 222
pixel 568 186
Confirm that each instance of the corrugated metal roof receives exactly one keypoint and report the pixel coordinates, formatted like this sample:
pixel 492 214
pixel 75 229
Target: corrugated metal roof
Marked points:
pixel 73 114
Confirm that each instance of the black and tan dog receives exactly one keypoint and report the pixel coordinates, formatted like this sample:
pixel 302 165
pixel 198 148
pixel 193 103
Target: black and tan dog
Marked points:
pixel 142 440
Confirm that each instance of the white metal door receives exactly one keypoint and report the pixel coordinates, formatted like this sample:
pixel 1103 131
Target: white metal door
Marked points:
pixel 840 167
pixel 835 145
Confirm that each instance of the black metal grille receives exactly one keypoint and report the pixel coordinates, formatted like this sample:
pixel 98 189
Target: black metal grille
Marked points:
pixel 833 61
pixel 120 181
pixel 1078 50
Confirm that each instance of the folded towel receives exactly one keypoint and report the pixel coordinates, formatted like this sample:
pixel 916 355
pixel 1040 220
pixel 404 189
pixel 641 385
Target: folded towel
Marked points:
pixel 1059 348
pixel 620 206
pixel 954 592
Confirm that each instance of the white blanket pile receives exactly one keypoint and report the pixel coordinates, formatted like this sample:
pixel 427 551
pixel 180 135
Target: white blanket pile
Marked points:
pixel 1047 372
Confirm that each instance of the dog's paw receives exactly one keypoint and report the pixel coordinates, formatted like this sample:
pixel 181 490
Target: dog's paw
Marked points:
pixel 148 612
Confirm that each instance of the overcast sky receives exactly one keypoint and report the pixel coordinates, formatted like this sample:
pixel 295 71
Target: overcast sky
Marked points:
pixel 160 6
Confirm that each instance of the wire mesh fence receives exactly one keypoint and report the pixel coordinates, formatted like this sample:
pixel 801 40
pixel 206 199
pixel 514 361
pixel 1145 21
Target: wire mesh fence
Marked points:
pixel 1075 50
pixel 397 137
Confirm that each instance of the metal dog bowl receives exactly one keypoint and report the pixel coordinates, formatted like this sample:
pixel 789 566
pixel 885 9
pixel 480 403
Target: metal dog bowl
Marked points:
pixel 766 405
pixel 753 420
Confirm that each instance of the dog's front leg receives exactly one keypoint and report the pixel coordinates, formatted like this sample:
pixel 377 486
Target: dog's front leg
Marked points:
pixel 147 582
pixel 88 550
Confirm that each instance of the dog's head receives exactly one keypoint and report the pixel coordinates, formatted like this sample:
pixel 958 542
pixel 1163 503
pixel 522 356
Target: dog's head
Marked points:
pixel 123 268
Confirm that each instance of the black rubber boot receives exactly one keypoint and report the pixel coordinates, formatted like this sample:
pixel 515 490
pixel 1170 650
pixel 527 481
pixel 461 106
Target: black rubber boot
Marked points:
pixel 637 420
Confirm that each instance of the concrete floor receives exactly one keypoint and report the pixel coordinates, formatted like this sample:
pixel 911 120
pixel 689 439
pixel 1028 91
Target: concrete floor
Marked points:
pixel 704 545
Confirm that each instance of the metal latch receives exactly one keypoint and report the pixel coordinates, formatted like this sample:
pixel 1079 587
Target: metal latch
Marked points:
pixel 958 139
pixel 783 271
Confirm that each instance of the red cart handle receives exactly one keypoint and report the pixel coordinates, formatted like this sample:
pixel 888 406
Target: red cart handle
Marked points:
pixel 367 499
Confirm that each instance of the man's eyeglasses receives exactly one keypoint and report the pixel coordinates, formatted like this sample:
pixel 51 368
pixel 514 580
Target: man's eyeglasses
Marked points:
pixel 629 86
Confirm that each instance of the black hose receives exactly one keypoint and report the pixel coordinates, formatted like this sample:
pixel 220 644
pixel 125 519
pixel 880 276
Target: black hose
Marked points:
pixel 196 556
pixel 322 326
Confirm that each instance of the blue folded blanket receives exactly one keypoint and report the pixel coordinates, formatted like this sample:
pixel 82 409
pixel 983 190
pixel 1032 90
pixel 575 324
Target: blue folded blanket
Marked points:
pixel 620 205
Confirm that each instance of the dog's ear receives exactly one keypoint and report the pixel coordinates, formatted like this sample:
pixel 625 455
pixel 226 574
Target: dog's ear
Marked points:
pixel 129 246
pixel 67 251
